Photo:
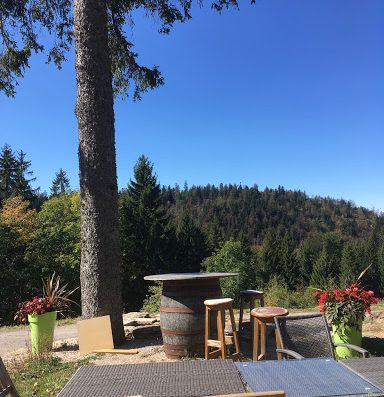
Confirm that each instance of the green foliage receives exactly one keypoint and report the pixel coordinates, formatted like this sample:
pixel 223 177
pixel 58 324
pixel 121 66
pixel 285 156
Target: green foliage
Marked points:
pixel 192 246
pixel 8 167
pixel 23 24
pixel 352 261
pixel 146 235
pixel 327 266
pixel 372 279
pixel 278 294
pixel 56 246
pixel 381 262
pixel 306 255
pixel 17 278
pixel 14 173
pixel 248 213
pixel 45 377
pixel 152 301
pixel 22 182
pixel 60 184
pixel 231 257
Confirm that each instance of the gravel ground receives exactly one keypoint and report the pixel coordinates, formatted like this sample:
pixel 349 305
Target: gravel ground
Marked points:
pixel 14 347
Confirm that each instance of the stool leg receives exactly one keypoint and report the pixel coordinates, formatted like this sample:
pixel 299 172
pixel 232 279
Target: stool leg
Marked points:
pixel 263 329
pixel 255 339
pixel 207 325
pixel 251 307
pixel 233 323
pixel 220 331
pixel 241 315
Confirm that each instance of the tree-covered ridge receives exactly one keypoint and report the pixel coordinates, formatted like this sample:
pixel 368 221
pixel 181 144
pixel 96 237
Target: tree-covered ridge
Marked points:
pixel 247 213
pixel 278 240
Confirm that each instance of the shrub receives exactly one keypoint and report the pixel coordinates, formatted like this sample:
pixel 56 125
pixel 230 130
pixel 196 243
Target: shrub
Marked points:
pixel 152 301
pixel 277 293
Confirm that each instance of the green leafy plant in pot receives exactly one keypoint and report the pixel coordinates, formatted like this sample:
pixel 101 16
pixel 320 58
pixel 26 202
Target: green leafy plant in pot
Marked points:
pixel 41 313
pixel 346 309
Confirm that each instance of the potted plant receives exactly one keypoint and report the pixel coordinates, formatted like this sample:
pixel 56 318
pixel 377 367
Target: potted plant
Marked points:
pixel 345 309
pixel 41 313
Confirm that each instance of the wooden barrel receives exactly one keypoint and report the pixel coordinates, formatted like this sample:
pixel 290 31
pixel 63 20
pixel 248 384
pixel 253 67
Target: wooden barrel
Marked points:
pixel 182 315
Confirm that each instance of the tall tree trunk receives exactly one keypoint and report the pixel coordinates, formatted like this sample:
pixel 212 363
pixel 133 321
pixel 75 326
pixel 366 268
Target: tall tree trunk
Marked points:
pixel 100 246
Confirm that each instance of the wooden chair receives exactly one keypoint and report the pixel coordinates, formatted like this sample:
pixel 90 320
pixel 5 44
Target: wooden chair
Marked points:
pixel 307 336
pixel 6 385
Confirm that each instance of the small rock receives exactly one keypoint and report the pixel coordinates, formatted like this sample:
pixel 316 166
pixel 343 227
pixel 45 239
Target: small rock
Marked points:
pixel 132 315
pixel 145 321
pixel 130 323
pixel 146 331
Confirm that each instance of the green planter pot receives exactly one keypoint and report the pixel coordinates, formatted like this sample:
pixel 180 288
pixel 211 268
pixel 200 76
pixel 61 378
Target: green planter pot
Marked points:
pixel 42 329
pixel 351 335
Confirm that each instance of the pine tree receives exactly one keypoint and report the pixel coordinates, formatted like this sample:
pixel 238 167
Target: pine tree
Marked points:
pixel 145 233
pixel 8 166
pixel 60 184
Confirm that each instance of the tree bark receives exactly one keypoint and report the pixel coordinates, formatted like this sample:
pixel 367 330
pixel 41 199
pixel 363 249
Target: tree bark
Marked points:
pixel 100 271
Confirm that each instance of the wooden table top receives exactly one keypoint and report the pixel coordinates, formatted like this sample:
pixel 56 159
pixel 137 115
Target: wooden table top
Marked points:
pixel 187 276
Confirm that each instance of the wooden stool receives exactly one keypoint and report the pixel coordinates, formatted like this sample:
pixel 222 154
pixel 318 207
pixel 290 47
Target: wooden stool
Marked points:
pixel 261 317
pixel 219 306
pixel 249 295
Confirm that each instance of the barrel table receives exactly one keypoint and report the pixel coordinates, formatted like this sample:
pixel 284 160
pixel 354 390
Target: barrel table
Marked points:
pixel 182 310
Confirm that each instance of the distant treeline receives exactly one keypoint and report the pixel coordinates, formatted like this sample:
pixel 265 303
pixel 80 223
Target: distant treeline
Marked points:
pixel 271 237
pixel 246 213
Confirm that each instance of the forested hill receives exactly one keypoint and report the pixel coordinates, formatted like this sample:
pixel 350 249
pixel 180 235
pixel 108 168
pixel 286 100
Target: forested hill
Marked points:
pixel 247 213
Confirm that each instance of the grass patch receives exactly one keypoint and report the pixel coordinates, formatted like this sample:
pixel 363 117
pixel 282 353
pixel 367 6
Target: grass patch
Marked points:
pixel 45 377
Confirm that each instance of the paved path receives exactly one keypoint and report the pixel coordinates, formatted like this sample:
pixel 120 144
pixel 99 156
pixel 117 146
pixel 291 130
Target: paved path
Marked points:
pixel 11 340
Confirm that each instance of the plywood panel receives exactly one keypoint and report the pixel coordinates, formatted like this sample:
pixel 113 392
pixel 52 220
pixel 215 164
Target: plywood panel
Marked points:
pixel 94 334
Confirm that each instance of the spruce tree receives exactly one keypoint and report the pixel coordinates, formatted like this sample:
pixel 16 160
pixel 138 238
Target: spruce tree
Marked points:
pixel 8 166
pixel 145 233
pixel 23 178
pixel 326 269
pixel 290 266
pixel 192 246
pixel 381 262
pixel 372 278
pixel 60 184
pixel 352 261
pixel 270 259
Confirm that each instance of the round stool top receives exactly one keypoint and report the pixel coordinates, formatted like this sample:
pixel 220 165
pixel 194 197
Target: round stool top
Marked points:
pixel 251 292
pixel 214 302
pixel 269 312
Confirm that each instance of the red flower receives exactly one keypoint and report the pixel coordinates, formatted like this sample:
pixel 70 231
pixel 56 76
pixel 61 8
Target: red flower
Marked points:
pixel 36 306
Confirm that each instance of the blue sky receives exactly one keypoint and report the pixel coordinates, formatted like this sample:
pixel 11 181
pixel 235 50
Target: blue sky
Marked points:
pixel 279 93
